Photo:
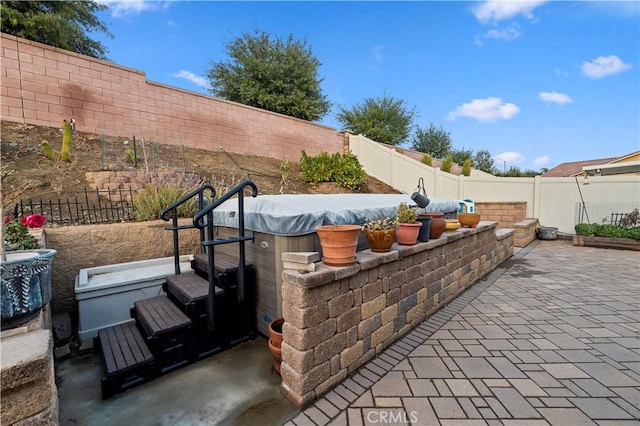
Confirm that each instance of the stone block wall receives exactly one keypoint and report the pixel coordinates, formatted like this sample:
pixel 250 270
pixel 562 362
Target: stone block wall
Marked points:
pixel 525 232
pixel 114 180
pixel 86 246
pixel 29 393
pixel 336 319
pixel 506 213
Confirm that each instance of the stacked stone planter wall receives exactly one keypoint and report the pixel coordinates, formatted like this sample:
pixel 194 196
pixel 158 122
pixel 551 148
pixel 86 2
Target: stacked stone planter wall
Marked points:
pixel 336 319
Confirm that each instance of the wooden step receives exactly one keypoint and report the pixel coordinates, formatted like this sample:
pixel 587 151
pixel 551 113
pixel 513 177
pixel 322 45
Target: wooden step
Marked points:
pixel 190 288
pixel 126 358
pixel 168 332
pixel 224 263
pixel 159 315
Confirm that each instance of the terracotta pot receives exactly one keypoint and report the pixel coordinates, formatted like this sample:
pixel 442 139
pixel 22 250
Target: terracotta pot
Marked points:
pixel 438 224
pixel 423 235
pixel 275 331
pixel 380 241
pixel 276 353
pixel 469 219
pixel 407 233
pixel 339 244
pixel 275 342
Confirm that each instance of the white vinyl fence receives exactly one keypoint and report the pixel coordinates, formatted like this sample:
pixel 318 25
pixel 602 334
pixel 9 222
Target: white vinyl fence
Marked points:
pixel 556 202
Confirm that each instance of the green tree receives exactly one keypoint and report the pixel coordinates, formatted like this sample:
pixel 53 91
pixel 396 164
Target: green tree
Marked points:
pixel 461 155
pixel 62 24
pixel 435 141
pixel 273 74
pixel 484 161
pixel 384 119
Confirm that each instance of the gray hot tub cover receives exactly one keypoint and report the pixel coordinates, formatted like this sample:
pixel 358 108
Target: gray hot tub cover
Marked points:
pixel 300 214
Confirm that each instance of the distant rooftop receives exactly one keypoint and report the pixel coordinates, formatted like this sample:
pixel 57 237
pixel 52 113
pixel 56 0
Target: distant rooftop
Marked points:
pixel 575 167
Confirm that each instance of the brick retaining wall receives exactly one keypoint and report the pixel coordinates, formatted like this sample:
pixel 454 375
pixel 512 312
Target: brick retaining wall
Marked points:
pixel 43 85
pixel 506 213
pixel 336 319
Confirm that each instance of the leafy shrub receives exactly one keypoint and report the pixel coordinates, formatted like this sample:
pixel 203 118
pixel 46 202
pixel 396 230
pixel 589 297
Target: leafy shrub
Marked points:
pixel 343 169
pixel 447 163
pixel 427 159
pixel 160 190
pixel 607 230
pixel 466 167
pixel 406 214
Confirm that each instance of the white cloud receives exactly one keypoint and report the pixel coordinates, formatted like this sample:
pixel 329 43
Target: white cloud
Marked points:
pixel 494 11
pixel 555 97
pixel 196 79
pixel 542 161
pixel 511 33
pixel 510 157
pixel 122 8
pixel 488 109
pixel 603 66
pixel 508 34
pixel 561 73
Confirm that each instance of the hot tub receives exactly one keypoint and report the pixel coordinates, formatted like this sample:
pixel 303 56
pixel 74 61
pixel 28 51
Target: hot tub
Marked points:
pixel 105 294
pixel 286 223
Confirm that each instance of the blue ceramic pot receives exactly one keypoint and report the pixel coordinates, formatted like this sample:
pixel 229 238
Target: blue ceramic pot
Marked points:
pixel 25 284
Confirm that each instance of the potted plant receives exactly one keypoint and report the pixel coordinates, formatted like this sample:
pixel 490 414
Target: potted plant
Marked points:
pixel 25 270
pixel 380 233
pixel 339 244
pixel 408 226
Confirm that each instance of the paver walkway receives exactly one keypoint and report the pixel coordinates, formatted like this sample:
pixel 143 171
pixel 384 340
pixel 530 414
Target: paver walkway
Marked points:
pixel 551 337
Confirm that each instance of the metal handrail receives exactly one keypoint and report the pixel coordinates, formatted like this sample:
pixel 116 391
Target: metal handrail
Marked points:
pixel 173 209
pixel 211 242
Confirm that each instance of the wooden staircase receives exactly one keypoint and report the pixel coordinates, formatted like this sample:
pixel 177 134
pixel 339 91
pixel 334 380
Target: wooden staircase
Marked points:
pixel 201 313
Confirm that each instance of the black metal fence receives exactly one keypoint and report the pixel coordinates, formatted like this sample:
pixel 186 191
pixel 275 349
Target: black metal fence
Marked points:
pixel 89 207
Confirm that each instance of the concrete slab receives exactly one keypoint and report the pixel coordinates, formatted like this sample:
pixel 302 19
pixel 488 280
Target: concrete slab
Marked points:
pixel 236 387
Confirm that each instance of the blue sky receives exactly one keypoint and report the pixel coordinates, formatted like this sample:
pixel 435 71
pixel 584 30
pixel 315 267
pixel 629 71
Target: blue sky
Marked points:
pixel 535 83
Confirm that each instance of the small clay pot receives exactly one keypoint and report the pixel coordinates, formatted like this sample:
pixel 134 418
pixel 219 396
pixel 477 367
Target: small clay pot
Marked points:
pixel 275 331
pixel 380 241
pixel 469 219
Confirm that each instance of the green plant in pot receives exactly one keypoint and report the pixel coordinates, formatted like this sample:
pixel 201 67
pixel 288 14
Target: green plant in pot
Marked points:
pixel 380 233
pixel 408 226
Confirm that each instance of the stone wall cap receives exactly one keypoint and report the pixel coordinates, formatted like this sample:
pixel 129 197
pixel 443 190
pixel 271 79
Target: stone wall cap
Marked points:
pixel 526 223
pixel 503 233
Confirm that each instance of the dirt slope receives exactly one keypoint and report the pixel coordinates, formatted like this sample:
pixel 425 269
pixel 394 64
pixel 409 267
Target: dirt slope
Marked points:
pixel 28 175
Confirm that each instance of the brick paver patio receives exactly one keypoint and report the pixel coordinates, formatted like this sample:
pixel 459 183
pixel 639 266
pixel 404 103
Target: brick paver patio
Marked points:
pixel 550 338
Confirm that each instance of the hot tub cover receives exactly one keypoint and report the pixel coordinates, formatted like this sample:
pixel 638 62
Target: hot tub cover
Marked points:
pixel 300 214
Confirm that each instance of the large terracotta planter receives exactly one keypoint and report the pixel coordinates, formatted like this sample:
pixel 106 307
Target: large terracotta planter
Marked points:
pixel 339 244
pixel 380 241
pixel 26 285
pixel 438 224
pixel 407 233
